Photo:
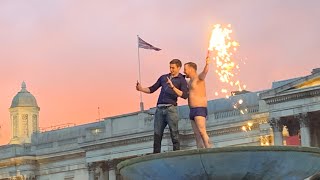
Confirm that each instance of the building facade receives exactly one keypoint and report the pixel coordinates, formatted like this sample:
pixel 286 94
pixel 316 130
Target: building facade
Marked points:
pixel 286 114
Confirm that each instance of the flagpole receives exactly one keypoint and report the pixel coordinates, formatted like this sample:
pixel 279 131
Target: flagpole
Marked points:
pixel 141 102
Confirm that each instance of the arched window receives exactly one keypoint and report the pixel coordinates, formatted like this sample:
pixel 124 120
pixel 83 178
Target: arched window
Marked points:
pixel 25 125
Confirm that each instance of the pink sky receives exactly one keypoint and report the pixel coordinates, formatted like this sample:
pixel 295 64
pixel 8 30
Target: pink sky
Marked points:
pixel 76 55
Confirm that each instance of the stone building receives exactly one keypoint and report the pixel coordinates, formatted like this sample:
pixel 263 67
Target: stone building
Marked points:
pixel 286 114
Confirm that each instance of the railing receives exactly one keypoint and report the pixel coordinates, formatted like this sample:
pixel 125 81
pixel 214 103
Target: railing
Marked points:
pixel 235 112
pixel 60 126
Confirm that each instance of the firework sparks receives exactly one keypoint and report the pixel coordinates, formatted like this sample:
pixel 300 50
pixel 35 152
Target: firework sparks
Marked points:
pixel 223 48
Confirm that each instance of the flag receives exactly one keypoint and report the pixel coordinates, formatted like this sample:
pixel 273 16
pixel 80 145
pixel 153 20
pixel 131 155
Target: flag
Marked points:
pixel 145 45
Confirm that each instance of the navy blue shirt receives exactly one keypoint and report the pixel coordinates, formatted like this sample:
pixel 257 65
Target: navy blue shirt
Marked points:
pixel 167 95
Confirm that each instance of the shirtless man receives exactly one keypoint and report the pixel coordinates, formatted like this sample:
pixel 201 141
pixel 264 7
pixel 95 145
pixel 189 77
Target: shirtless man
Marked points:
pixel 198 102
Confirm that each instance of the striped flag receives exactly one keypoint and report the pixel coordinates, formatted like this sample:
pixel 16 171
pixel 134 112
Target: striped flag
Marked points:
pixel 145 45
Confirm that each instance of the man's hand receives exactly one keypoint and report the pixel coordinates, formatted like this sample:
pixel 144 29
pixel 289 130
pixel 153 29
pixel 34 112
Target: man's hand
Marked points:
pixel 138 86
pixel 208 59
pixel 142 89
pixel 170 82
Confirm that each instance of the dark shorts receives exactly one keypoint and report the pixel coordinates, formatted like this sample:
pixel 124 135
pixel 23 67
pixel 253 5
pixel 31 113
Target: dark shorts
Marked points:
pixel 198 111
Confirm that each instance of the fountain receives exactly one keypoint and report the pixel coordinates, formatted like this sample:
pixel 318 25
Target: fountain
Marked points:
pixel 227 163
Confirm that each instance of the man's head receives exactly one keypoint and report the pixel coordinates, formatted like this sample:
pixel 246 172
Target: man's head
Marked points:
pixel 190 68
pixel 175 66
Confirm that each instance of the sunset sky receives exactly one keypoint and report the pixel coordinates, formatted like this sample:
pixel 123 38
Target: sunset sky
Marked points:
pixel 76 55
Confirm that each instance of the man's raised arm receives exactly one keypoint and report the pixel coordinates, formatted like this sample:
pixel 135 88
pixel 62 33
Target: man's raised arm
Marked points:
pixel 203 74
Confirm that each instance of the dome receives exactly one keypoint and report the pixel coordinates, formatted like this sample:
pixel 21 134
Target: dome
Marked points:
pixel 24 98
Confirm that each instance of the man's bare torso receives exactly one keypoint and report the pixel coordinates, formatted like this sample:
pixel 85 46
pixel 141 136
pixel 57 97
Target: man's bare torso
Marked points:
pixel 197 93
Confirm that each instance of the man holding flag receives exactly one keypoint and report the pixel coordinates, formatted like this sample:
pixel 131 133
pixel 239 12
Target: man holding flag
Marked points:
pixel 173 85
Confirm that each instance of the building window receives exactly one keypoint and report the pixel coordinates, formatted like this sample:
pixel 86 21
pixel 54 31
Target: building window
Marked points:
pixel 34 123
pixel 25 124
pixel 265 140
pixel 15 126
pixel 68 178
pixel 96 131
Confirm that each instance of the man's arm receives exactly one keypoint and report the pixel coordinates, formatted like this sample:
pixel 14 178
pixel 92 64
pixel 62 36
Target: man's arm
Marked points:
pixel 176 90
pixel 203 74
pixel 181 93
pixel 142 89
pixel 184 89
pixel 150 89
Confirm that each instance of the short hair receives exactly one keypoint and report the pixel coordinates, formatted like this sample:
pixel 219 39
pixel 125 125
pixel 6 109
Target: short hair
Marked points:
pixel 192 64
pixel 176 62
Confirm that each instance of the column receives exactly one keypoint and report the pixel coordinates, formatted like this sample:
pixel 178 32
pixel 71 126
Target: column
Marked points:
pixel 112 174
pixel 304 122
pixel 106 173
pixel 277 128
pixel 99 173
pixel 103 171
pixel 112 170
pixel 91 169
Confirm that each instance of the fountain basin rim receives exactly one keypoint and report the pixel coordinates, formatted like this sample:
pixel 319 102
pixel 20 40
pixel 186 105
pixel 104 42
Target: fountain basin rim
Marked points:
pixel 312 150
